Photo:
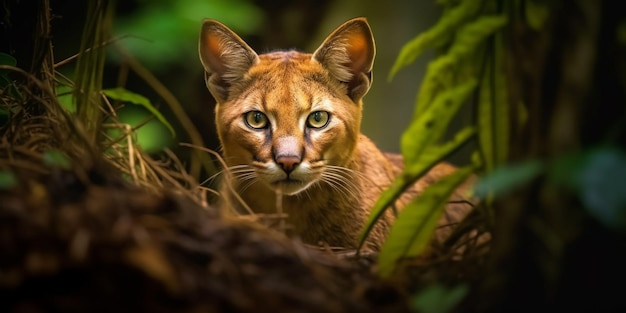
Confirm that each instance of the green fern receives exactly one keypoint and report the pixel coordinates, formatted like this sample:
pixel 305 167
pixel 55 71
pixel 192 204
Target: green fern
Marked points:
pixel 468 72
pixel 437 35
pixel 414 226
pixel 453 67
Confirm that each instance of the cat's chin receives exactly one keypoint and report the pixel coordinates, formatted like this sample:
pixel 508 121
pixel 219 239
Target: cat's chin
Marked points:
pixel 290 187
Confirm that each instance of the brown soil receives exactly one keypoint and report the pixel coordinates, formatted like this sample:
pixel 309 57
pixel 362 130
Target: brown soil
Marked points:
pixel 91 242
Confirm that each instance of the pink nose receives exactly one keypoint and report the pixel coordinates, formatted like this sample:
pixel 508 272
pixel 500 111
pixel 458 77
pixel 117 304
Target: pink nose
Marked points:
pixel 288 162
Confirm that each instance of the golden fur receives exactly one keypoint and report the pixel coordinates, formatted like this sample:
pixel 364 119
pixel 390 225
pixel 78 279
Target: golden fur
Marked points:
pixel 270 126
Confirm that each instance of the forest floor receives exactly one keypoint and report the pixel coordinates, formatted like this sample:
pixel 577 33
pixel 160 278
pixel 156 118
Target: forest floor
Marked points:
pixel 78 236
pixel 84 240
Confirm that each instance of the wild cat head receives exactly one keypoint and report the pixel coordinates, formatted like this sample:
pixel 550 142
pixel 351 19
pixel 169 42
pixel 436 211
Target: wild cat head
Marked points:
pixel 290 119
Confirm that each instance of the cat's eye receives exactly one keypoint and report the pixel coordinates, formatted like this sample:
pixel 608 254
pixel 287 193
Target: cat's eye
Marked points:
pixel 256 119
pixel 318 119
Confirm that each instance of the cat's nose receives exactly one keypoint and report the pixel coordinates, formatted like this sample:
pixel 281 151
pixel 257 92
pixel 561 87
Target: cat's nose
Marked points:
pixel 287 152
pixel 288 162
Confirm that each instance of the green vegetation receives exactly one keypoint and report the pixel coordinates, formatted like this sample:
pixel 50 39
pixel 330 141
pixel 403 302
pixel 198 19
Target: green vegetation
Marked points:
pixel 468 71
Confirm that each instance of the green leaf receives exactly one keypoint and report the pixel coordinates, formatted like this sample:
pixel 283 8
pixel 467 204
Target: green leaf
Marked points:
pixel 7 179
pixel 507 178
pixel 428 159
pixel 6 59
pixel 436 153
pixel 428 128
pixel 444 71
pixel 416 223
pixel 537 13
pixel 597 176
pixel 444 28
pixel 5 80
pixel 57 159
pixel 124 95
pixel 501 105
pixel 485 117
pixel 603 189
pixel 493 109
pixel 438 298
pixel 66 98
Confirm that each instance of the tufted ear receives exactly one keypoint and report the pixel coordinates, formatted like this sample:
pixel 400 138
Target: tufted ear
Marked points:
pixel 348 54
pixel 224 56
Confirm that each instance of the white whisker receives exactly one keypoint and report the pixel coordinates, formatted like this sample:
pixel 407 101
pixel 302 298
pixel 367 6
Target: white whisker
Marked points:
pixel 247 185
pixel 307 191
pixel 211 178
pixel 341 177
pixel 348 171
pixel 231 170
pixel 241 174
pixel 340 184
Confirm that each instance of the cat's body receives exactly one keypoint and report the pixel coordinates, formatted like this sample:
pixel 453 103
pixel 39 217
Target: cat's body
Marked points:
pixel 289 124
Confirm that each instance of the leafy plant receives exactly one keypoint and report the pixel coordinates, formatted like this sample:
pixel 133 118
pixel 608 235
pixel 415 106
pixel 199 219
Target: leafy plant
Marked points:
pixel 56 159
pixel 5 81
pixel 595 175
pixel 7 179
pixel 124 133
pixel 468 71
pixel 412 231
pixel 6 59
pixel 90 66
pixel 151 135
pixel 438 298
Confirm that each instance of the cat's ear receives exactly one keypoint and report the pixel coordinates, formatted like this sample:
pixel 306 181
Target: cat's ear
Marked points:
pixel 348 54
pixel 224 56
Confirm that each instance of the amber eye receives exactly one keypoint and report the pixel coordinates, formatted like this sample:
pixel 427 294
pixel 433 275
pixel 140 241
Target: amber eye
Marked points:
pixel 255 119
pixel 318 119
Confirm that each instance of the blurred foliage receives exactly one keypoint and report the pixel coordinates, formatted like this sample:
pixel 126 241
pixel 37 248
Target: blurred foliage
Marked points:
pixel 438 298
pixel 166 32
pixel 5 81
pixel 148 133
pixel 56 159
pixel 468 68
pixel 508 178
pixel 411 232
pixel 65 97
pixel 6 59
pixel 536 13
pixel 151 135
pixel 89 71
pixel 121 94
pixel 7 179
pixel 163 34
pixel 84 90
pixel 595 176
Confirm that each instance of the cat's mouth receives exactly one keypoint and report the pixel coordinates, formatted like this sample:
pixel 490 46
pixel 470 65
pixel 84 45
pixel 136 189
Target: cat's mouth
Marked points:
pixel 289 186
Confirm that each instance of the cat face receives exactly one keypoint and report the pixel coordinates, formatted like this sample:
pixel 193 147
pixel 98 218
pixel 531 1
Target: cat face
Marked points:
pixel 287 119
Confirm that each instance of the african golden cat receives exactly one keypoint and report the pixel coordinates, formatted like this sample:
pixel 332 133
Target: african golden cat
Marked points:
pixel 289 124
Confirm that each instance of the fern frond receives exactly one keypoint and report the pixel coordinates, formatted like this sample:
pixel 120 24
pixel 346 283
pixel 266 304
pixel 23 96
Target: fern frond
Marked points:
pixel 441 32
